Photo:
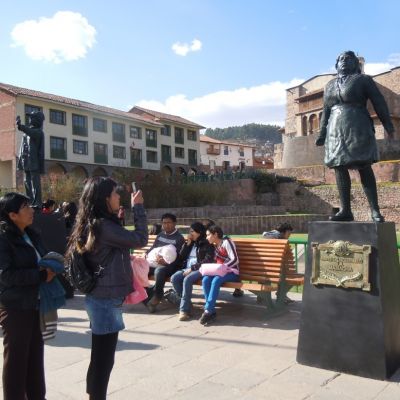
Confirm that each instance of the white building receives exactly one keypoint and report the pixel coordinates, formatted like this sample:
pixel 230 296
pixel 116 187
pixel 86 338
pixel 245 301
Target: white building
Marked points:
pixel 217 155
pixel 87 139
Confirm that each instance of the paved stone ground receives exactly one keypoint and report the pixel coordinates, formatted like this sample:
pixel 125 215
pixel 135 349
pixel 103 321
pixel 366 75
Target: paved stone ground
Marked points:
pixel 242 356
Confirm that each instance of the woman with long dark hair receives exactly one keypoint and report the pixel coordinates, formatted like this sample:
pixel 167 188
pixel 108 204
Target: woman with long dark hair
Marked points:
pixel 20 278
pixel 99 236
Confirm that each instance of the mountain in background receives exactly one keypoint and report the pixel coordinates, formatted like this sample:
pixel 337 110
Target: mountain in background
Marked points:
pixel 249 133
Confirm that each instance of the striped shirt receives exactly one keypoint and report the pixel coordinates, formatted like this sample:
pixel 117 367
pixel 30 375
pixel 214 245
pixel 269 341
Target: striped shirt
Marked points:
pixel 226 253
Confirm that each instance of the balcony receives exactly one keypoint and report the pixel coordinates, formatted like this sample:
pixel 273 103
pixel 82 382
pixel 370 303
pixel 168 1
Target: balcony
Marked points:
pixel 135 162
pixel 79 130
pixel 215 152
pixel 101 159
pixel 166 158
pixel 151 143
pixel 192 161
pixel 60 154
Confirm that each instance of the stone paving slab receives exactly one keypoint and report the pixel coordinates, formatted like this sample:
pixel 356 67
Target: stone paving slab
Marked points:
pixel 243 356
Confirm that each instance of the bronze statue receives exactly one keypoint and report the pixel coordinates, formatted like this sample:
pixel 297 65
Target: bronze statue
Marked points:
pixel 348 133
pixel 31 156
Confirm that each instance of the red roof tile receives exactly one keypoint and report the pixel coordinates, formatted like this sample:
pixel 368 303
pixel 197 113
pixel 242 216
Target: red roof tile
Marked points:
pixel 157 115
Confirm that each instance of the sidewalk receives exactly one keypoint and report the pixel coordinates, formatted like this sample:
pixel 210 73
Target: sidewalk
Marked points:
pixel 242 356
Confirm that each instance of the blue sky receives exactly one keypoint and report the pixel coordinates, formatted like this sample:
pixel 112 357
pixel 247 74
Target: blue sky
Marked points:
pixel 216 62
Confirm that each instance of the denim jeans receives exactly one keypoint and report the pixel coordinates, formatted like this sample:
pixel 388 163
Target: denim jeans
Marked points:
pixel 211 286
pixel 160 276
pixel 183 286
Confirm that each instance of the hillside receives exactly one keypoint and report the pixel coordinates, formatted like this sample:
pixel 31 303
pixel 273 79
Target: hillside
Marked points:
pixel 247 133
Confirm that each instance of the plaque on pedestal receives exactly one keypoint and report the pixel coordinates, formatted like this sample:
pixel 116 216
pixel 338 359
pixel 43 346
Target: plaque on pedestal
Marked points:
pixel 350 319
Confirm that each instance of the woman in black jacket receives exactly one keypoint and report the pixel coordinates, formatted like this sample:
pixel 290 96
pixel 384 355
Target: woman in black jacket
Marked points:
pixel 20 278
pixel 196 251
pixel 99 236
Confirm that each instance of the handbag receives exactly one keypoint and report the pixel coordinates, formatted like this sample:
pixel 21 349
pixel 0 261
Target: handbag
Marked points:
pixel 214 269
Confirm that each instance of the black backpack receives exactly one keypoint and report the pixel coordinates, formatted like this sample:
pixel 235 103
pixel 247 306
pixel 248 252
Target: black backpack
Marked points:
pixel 81 275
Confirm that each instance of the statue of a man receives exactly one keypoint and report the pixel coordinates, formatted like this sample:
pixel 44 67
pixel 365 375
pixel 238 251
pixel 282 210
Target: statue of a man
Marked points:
pixel 348 133
pixel 31 156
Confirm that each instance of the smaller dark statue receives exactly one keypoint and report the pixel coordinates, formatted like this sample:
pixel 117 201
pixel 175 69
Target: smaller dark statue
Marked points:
pixel 31 156
pixel 348 133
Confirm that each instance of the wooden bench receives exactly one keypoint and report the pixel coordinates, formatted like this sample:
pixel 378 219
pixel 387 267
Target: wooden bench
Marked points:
pixel 266 266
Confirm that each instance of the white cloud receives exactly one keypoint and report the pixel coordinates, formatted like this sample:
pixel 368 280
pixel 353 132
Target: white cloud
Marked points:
pixel 182 49
pixel 376 68
pixel 66 36
pixel 258 104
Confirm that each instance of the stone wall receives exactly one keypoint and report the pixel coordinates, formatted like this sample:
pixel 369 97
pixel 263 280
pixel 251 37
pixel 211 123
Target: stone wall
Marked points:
pixel 323 199
pixel 246 225
pixel 385 171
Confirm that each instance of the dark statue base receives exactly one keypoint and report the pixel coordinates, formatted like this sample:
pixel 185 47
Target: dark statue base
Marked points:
pixel 350 330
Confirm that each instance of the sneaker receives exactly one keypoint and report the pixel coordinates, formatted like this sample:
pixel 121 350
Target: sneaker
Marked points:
pixel 238 293
pixel 172 297
pixel 288 300
pixel 207 317
pixel 152 304
pixel 184 316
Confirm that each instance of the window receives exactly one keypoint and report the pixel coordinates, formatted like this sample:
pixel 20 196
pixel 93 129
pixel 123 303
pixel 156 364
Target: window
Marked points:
pixel 192 135
pixel 151 156
pixel 118 132
pixel 151 138
pixel 226 150
pixel 166 130
pixel 135 132
pixel 179 152
pixel 99 125
pixel 58 147
pixel 100 153
pixel 80 147
pixel 57 117
pixel 241 151
pixel 28 110
pixel 166 153
pixel 136 158
pixel 119 152
pixel 225 165
pixel 192 157
pixel 79 125
pixel 179 135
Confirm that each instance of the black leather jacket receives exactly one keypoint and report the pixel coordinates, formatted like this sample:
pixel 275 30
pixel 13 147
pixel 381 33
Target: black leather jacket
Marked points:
pixel 204 252
pixel 113 243
pixel 19 271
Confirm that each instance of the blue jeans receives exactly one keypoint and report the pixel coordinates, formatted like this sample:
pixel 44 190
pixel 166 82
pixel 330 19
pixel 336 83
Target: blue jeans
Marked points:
pixel 211 286
pixel 183 286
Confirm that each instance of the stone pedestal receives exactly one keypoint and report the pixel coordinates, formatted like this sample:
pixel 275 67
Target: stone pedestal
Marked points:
pixel 351 330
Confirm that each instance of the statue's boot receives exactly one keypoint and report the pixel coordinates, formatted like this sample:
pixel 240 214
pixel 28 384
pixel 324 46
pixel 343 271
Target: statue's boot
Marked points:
pixel 369 185
pixel 344 185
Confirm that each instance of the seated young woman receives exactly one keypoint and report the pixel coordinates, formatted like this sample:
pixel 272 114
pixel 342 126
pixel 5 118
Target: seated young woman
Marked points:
pixel 196 251
pixel 225 253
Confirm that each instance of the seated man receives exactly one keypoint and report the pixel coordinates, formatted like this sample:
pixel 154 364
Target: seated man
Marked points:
pixel 161 269
pixel 282 231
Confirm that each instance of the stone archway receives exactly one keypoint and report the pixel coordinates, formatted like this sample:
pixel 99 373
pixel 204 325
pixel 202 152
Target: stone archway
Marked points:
pixel 313 123
pixel 180 171
pixel 166 171
pixel 79 172
pixel 304 126
pixel 99 171
pixel 191 172
pixel 56 169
